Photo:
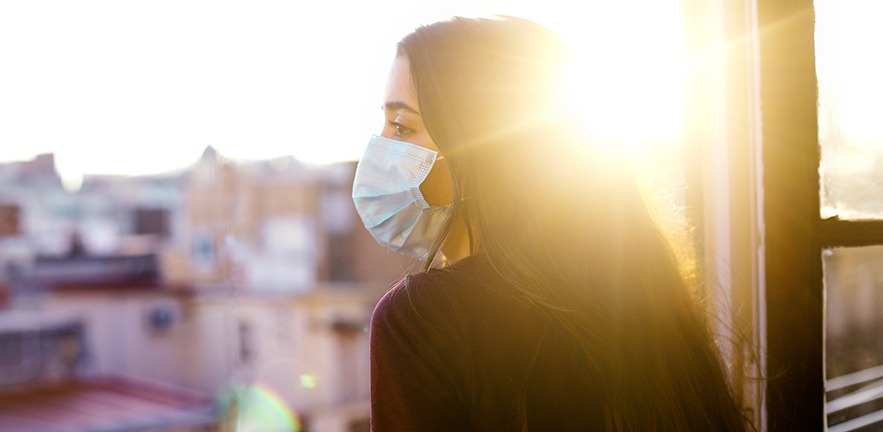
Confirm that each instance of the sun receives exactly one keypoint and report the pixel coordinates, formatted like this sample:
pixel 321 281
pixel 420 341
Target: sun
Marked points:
pixel 627 80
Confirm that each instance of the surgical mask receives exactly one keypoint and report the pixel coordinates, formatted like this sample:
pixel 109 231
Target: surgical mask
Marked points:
pixel 386 192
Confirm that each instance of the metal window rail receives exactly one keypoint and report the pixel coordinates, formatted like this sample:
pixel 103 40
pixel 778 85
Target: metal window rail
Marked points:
pixel 871 391
pixel 854 378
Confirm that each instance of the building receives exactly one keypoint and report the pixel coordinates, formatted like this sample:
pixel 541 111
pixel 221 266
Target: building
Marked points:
pixel 263 284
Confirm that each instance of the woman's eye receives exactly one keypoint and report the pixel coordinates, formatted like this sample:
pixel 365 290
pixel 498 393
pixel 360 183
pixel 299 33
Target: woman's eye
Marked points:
pixel 400 130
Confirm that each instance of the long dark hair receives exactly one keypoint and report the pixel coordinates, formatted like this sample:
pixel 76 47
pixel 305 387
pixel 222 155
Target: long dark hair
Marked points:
pixel 565 224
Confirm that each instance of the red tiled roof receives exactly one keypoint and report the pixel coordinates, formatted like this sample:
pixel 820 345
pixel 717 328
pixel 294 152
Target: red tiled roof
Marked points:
pixel 102 405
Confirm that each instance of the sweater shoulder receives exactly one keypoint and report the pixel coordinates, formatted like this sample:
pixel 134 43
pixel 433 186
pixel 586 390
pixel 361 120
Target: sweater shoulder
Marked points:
pixel 436 298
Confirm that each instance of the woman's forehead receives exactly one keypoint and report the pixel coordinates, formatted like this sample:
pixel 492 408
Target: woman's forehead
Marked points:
pixel 400 88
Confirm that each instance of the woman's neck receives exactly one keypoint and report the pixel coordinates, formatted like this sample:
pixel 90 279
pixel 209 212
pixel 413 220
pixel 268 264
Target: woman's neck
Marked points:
pixel 457 245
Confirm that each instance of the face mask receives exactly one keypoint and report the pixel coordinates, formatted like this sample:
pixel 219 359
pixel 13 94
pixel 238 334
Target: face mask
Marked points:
pixel 387 195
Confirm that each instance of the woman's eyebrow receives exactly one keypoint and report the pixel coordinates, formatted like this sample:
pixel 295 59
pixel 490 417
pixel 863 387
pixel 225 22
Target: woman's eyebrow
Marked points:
pixel 395 106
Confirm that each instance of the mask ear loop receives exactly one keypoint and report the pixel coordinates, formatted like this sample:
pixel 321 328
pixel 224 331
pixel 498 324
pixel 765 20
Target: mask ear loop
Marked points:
pixel 462 208
pixel 437 257
pixel 469 235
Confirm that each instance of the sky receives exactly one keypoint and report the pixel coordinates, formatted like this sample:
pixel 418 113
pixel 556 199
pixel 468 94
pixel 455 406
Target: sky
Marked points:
pixel 142 87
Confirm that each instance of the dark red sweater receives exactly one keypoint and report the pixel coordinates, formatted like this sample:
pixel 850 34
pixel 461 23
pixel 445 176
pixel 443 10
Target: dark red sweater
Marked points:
pixel 452 350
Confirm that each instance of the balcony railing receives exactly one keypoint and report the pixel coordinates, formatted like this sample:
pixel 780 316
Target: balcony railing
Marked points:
pixel 858 402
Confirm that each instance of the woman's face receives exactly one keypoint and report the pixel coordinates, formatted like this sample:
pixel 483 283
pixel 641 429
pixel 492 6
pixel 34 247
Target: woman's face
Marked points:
pixel 404 123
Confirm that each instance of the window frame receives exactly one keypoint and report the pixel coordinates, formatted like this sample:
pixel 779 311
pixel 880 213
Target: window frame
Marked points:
pixel 723 173
pixel 752 172
pixel 794 294
pixel 752 103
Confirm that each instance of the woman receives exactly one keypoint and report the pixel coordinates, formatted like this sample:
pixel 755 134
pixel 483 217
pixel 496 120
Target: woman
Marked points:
pixel 555 302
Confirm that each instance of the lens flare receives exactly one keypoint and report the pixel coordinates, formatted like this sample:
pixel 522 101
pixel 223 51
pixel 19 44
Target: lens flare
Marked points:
pixel 308 381
pixel 257 408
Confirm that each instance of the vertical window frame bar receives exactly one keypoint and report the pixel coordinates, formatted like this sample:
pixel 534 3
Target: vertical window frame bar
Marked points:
pixel 793 264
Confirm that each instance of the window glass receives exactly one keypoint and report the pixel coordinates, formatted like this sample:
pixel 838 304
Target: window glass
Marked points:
pixel 848 37
pixel 854 335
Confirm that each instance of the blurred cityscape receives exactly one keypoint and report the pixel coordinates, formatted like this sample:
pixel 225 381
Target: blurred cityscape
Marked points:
pixel 224 296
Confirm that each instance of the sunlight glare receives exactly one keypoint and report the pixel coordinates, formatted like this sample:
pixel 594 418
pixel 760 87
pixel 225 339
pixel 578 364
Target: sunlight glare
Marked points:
pixel 627 77
pixel 849 69
pixel 284 79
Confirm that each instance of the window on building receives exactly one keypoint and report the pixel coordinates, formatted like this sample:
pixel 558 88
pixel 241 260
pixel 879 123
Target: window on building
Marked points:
pixel 151 221
pixel 9 220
